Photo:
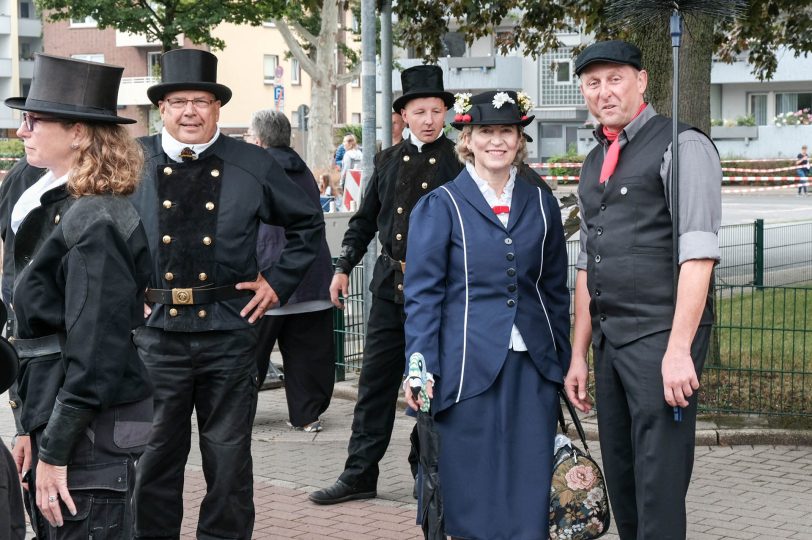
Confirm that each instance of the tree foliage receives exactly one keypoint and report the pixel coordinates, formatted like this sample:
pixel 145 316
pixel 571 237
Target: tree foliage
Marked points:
pixel 163 20
pixel 533 27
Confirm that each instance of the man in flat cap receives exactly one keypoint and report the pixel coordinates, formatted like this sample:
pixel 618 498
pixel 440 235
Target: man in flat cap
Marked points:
pixel 403 173
pixel 201 199
pixel 649 347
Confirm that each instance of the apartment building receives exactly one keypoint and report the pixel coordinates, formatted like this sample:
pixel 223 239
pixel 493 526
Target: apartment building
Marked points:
pixel 20 38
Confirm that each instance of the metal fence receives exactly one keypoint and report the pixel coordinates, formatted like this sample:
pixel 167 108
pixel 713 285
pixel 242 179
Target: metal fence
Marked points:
pixel 761 356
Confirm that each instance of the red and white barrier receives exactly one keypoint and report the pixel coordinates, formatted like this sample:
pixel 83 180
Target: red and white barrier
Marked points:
pixel 352 190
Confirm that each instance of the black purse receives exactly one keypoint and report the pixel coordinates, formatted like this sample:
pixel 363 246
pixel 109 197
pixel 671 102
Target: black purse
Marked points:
pixel 579 505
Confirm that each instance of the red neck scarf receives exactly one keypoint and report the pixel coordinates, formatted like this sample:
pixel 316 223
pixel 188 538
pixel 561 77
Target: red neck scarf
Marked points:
pixel 613 154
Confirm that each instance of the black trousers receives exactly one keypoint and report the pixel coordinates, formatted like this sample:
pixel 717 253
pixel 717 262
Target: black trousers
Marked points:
pixel 215 374
pixel 648 457
pixel 378 387
pixel 308 359
pixel 12 515
pixel 100 476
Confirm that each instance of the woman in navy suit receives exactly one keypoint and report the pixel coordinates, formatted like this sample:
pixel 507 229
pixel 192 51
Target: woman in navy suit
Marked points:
pixel 487 306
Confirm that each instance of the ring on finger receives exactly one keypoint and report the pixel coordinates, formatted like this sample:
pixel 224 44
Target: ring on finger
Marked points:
pixel 52 498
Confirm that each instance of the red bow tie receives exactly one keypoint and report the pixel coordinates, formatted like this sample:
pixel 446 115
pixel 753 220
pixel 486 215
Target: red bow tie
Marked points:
pixel 501 210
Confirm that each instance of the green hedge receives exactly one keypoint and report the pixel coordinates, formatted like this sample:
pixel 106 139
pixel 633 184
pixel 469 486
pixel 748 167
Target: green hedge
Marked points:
pixel 10 148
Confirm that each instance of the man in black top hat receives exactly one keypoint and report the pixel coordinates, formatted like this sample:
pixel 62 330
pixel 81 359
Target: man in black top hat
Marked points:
pixel 403 173
pixel 649 346
pixel 201 199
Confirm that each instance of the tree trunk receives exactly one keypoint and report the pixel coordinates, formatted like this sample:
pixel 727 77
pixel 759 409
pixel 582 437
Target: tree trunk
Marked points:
pixel 696 55
pixel 322 113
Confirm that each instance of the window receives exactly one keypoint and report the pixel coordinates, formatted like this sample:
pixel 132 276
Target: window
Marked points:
pixel 453 44
pixel 792 102
pixel 89 57
pixel 563 72
pixel 355 118
pixel 757 108
pixel 154 64
pixel 295 72
pixel 552 131
pixel 355 83
pixel 270 61
pixel 87 22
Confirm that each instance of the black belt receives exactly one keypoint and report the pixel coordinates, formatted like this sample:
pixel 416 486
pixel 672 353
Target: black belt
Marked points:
pixel 41 346
pixel 393 264
pixel 192 296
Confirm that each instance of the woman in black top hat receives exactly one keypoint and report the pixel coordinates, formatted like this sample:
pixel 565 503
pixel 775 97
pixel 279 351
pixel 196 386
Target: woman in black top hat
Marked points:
pixel 487 307
pixel 79 283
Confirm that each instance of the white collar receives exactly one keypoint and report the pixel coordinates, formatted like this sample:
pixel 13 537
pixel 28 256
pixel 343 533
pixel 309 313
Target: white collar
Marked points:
pixel 488 192
pixel 30 199
pixel 172 147
pixel 418 143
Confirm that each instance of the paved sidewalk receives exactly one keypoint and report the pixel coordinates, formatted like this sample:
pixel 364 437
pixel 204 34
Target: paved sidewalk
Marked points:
pixel 738 492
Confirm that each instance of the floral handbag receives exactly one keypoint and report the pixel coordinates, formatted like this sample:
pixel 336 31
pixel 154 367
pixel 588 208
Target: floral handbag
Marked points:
pixel 579 506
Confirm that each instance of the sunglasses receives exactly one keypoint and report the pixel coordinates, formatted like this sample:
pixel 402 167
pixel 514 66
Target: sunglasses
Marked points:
pixel 31 121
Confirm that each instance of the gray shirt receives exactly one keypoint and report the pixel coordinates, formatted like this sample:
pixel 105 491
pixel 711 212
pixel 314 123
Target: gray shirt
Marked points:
pixel 700 193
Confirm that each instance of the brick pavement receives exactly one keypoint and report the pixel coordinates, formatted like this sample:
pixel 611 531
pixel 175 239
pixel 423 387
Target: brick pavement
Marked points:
pixel 737 492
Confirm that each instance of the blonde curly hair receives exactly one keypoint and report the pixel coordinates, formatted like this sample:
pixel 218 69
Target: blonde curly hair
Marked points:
pixel 108 161
pixel 466 156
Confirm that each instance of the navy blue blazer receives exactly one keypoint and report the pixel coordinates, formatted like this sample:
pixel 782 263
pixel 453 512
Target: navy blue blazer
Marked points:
pixel 469 279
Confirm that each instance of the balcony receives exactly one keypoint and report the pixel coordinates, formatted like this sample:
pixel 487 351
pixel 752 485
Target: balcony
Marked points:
pixel 26 69
pixel 133 90
pixel 5 25
pixel 5 67
pixel 125 39
pixel 471 74
pixel 30 28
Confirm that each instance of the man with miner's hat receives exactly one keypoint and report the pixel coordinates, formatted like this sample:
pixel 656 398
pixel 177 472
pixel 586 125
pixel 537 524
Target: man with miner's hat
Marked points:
pixel 403 173
pixel 202 197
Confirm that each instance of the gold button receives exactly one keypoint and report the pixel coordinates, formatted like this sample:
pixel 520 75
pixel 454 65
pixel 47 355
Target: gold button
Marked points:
pixel 167 171
pixel 12 339
pixel 202 313
pixel 166 239
pixel 57 218
pixel 13 404
pixel 424 185
pixel 400 286
pixel 203 276
pixel 215 173
pixel 167 204
pixel 398 236
pixel 432 161
pixel 400 209
pixel 405 158
pixel 207 240
pixel 173 312
pixel 209 206
pixel 169 276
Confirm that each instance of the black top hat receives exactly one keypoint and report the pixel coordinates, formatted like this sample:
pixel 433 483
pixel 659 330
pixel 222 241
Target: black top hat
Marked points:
pixel 613 51
pixel 9 363
pixel 188 69
pixel 73 89
pixel 497 107
pixel 422 81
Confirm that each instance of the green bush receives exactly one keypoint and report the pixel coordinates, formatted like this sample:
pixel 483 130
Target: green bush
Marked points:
pixel 715 122
pixel 10 148
pixel 749 120
pixel 570 157
pixel 354 129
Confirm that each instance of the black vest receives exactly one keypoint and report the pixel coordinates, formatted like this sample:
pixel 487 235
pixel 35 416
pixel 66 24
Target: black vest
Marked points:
pixel 629 239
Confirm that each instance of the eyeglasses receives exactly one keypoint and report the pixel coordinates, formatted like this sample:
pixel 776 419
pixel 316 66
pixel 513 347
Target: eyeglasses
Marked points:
pixel 31 121
pixel 197 103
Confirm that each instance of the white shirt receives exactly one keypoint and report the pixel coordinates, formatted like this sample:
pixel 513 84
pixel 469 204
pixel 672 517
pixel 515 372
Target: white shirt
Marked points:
pixel 516 341
pixel 172 147
pixel 30 198
pixel 418 143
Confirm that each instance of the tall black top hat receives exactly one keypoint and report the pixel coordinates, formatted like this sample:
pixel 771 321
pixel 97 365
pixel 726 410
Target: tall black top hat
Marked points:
pixel 73 89
pixel 188 69
pixel 497 107
pixel 9 363
pixel 422 81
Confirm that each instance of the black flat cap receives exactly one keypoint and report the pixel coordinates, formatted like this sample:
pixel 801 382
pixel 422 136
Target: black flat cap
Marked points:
pixel 614 51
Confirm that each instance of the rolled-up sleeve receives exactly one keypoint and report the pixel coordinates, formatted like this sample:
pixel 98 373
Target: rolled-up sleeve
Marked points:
pixel 580 264
pixel 700 196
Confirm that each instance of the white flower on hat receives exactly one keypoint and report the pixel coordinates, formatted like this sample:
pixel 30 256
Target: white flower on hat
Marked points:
pixel 462 102
pixel 500 99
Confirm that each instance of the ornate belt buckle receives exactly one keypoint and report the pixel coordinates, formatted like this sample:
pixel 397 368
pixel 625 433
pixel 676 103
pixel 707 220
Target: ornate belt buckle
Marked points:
pixel 183 296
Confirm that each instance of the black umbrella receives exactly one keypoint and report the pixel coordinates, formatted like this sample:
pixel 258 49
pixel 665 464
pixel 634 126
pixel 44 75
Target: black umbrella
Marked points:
pixel 428 479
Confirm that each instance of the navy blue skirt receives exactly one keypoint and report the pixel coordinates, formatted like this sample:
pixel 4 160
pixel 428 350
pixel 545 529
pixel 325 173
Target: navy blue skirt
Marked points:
pixel 496 456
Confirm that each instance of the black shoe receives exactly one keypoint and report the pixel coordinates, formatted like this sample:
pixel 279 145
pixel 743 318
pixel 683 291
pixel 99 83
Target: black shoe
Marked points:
pixel 339 493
